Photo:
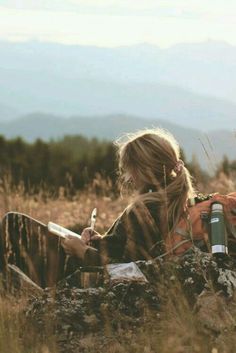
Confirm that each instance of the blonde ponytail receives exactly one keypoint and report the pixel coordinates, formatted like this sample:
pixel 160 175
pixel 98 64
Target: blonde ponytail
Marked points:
pixel 152 158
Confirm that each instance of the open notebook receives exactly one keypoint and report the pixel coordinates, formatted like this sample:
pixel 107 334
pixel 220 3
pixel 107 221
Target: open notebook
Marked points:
pixel 61 231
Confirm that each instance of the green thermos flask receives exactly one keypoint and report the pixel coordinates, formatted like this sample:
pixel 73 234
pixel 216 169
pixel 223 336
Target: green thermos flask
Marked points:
pixel 218 231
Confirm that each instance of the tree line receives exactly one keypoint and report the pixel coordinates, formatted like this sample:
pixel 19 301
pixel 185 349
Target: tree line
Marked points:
pixel 71 161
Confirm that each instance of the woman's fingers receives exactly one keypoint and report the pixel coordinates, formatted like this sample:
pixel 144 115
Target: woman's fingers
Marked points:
pixel 65 245
pixel 63 242
pixel 86 235
pixel 95 236
pixel 89 234
pixel 76 246
pixel 70 244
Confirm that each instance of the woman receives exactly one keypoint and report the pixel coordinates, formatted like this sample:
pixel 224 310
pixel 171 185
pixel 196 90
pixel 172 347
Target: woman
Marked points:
pixel 149 162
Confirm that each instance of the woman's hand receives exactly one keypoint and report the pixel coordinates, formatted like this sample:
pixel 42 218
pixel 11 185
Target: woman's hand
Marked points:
pixel 88 234
pixel 74 246
pixel 77 247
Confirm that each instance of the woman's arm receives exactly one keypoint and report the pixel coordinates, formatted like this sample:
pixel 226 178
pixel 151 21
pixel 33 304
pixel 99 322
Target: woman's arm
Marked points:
pixel 132 237
pixel 135 235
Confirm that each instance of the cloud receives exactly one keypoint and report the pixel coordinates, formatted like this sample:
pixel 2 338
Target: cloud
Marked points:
pixel 161 8
pixel 183 10
pixel 117 22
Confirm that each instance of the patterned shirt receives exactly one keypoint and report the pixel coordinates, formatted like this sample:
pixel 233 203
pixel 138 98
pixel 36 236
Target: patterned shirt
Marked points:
pixel 135 235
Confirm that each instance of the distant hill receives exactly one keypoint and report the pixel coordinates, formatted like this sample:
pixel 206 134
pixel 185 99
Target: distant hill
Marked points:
pixel 193 141
pixel 207 67
pixel 58 95
pixel 175 84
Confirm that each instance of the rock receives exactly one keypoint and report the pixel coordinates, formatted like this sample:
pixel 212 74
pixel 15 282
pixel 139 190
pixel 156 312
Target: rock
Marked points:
pixel 207 283
pixel 91 320
pixel 227 278
pixel 198 271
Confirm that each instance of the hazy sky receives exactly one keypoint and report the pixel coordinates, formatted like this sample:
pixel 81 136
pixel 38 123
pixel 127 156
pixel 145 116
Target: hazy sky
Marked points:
pixel 118 22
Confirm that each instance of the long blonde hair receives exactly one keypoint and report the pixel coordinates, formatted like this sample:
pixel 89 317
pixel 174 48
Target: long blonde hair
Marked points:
pixel 151 156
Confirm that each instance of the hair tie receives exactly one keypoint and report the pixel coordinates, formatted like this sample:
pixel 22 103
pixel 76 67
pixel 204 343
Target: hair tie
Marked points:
pixel 179 166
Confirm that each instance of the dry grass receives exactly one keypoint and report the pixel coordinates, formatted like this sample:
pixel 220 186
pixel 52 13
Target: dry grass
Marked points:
pixel 17 335
pixel 61 210
pixel 176 330
pixel 69 212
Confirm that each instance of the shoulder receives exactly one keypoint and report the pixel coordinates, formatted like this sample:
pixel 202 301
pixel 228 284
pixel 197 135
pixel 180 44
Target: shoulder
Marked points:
pixel 142 211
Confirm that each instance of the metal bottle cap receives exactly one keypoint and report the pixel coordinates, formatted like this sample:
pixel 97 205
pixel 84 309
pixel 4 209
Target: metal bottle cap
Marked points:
pixel 217 207
pixel 217 249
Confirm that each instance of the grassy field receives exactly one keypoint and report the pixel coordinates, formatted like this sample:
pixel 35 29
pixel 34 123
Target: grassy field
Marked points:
pixel 162 334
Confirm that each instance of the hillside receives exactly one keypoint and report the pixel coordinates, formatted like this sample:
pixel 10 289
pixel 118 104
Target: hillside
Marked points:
pixel 177 84
pixel 46 126
pixel 207 68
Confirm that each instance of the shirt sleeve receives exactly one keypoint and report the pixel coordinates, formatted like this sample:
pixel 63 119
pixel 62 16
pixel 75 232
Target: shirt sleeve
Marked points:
pixel 133 236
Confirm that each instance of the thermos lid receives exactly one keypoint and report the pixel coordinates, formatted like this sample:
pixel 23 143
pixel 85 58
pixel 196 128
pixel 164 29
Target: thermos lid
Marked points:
pixel 217 207
pixel 219 249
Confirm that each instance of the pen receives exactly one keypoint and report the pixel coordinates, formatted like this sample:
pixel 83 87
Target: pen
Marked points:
pixel 93 218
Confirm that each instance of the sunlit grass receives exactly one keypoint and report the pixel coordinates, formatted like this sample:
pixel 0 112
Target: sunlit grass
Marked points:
pixel 175 330
pixel 17 335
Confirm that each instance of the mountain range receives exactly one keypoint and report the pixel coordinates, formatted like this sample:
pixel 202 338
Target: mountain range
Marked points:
pixel 193 85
